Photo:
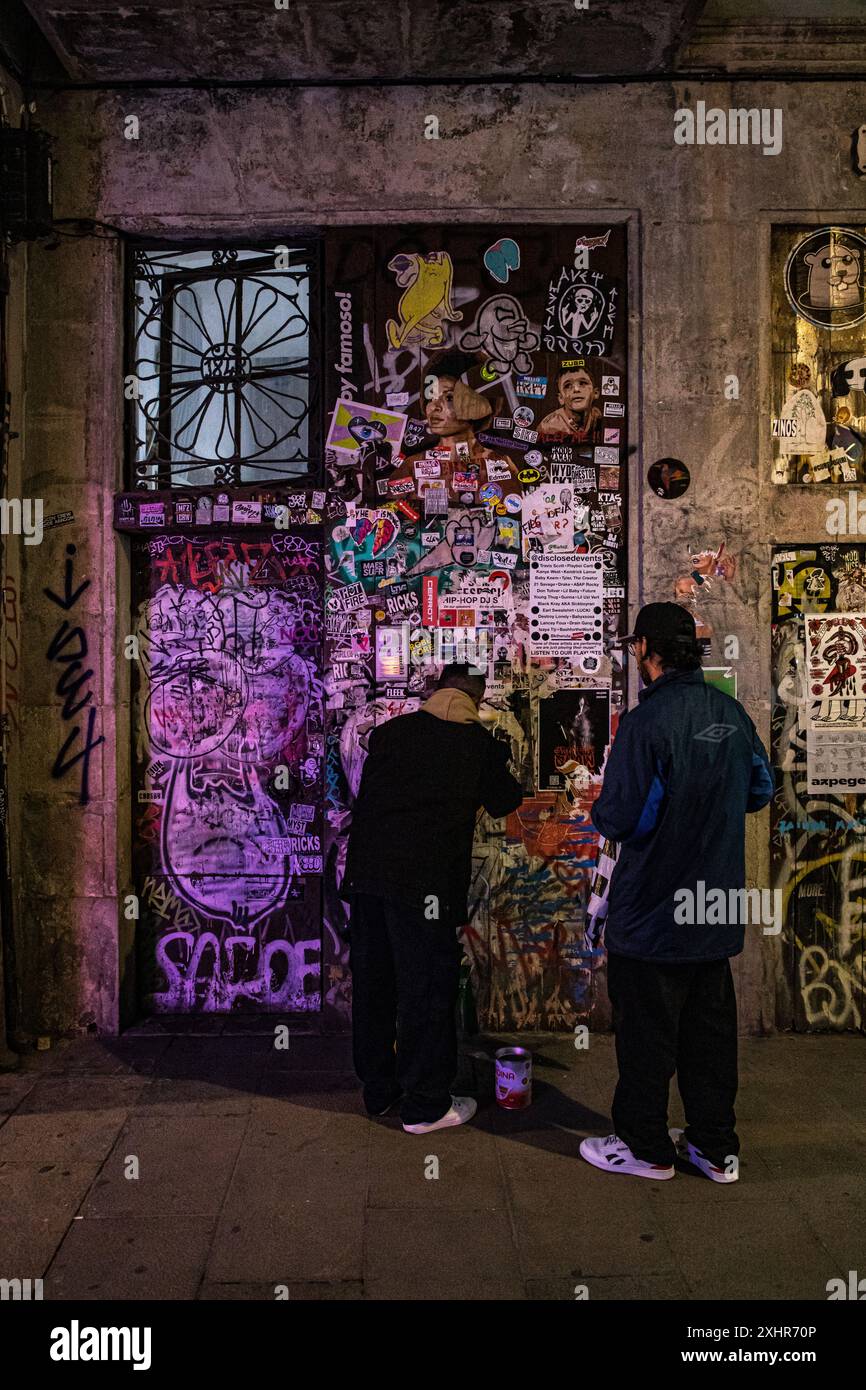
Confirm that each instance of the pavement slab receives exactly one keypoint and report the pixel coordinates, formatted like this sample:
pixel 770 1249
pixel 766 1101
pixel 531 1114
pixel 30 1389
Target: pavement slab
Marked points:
pixel 260 1177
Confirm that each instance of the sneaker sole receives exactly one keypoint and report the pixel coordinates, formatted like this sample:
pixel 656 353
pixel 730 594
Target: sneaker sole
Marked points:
pixel 438 1124
pixel 723 1179
pixel 656 1175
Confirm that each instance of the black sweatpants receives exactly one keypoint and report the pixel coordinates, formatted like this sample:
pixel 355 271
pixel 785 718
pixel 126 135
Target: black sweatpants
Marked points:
pixel 405 974
pixel 674 1018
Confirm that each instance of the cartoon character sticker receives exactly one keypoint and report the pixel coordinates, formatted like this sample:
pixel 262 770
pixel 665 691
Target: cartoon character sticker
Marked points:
pixel 580 313
pixel 425 305
pixel 824 278
pixel 501 330
pixel 849 376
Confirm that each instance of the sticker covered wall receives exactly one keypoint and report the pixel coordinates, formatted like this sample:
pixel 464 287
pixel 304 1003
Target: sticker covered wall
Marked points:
pixel 818 425
pixel 477 492
pixel 818 844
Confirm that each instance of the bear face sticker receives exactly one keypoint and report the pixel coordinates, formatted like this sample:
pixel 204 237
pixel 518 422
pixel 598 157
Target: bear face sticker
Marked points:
pixel 824 278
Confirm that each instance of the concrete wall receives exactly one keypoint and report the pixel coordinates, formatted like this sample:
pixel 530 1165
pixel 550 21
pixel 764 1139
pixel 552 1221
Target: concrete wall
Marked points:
pixel 66 355
pixel 11 654
pixel 253 164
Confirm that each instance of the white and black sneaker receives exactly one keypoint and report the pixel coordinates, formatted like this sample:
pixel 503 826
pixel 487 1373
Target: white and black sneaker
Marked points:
pixel 700 1161
pixel 615 1156
pixel 462 1109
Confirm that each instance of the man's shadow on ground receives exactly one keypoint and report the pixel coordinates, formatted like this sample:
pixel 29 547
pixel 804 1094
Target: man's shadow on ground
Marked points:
pixel 553 1121
pixel 316 1076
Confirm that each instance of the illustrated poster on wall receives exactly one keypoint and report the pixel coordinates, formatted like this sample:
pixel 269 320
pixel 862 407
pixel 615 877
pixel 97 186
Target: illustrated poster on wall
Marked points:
pixel 836 656
pixel 573 736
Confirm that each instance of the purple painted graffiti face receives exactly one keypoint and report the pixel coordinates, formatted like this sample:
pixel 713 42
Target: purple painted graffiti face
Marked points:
pixel 197 706
pixel 229 698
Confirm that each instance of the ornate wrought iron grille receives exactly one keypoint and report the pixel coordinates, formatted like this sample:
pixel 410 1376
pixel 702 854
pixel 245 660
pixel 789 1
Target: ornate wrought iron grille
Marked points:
pixel 221 345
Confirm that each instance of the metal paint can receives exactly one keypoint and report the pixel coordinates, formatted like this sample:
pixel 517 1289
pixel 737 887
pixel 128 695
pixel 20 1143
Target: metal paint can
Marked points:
pixel 513 1078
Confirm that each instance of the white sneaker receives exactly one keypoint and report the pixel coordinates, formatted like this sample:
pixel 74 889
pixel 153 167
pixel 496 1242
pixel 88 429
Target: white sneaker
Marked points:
pixel 698 1160
pixel 614 1156
pixel 462 1109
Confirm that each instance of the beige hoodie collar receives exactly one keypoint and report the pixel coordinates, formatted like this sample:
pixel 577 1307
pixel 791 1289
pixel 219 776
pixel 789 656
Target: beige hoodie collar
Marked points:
pixel 453 705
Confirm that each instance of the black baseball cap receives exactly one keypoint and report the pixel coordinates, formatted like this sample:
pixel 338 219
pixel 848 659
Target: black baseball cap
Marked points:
pixel 662 622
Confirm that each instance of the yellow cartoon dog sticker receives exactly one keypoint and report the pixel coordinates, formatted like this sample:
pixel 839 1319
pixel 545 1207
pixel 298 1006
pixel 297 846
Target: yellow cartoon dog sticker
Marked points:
pixel 425 305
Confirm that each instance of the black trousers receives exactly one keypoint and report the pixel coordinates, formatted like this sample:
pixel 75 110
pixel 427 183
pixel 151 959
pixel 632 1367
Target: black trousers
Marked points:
pixel 405 975
pixel 674 1018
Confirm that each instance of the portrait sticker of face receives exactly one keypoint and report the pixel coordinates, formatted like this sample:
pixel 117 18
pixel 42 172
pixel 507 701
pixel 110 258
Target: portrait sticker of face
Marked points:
pixel 577 416
pixel 451 407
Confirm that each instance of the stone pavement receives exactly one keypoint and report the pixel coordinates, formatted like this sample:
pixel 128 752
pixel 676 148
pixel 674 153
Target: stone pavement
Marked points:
pixel 258 1167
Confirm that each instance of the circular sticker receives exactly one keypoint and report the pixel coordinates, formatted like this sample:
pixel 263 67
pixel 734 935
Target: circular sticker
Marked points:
pixel 824 278
pixel 668 477
pixel 528 475
pixel 535 458
pixel 522 415
pixel 490 492
pixel 513 503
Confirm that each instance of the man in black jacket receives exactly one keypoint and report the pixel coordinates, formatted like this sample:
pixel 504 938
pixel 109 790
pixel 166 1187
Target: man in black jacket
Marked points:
pixel 685 768
pixel 408 866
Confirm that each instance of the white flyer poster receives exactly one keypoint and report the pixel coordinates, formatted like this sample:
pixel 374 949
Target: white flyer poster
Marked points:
pixel 565 603
pixel 836 761
pixel 548 518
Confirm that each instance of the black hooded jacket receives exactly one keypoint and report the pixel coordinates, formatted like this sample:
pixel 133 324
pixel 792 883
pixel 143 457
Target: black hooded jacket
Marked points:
pixel 423 783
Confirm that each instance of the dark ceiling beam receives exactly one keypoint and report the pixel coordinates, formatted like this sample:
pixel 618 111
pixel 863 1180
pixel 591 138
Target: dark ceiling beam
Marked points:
pixel 243 45
pixel 314 41
pixel 24 51
pixel 688 24
pixel 679 75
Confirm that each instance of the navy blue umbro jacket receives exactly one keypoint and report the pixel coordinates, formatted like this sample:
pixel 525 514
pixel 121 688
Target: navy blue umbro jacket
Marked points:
pixel 684 769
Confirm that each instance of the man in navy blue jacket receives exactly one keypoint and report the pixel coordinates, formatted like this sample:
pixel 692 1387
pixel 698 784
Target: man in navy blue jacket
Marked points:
pixel 685 767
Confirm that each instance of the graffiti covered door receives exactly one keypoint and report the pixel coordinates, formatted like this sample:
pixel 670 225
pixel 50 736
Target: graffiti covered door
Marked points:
pixel 227 754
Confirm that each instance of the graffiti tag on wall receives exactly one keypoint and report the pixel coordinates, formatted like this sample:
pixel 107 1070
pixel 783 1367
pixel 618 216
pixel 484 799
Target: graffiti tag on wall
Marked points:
pixel 68 649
